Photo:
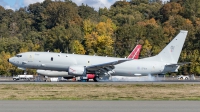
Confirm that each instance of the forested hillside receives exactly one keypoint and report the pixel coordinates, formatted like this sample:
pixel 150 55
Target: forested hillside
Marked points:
pixel 65 27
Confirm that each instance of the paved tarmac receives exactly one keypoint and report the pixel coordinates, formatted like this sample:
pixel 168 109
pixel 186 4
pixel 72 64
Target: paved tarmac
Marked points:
pixel 130 82
pixel 99 106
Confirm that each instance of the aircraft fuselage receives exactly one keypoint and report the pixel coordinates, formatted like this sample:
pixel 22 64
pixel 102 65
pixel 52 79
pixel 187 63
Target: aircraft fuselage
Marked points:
pixel 62 62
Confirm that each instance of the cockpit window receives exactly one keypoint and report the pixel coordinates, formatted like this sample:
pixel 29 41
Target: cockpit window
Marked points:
pixel 18 56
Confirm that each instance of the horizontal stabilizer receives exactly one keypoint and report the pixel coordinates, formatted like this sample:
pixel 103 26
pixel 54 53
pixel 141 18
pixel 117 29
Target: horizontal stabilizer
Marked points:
pixel 184 63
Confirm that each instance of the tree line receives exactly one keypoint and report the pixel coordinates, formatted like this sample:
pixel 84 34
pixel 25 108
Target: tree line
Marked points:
pixel 63 26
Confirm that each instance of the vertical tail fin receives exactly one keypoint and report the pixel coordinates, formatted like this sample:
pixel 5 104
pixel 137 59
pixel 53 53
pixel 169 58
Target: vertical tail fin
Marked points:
pixel 172 51
pixel 135 53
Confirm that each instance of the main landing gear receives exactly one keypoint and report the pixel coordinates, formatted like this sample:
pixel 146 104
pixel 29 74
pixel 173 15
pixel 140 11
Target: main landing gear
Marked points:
pixel 84 77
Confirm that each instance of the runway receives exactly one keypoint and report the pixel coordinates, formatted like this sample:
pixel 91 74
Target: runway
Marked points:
pixel 99 106
pixel 106 82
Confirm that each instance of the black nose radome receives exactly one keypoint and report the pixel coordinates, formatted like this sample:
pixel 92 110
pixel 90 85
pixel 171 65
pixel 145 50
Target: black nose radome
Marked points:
pixel 8 60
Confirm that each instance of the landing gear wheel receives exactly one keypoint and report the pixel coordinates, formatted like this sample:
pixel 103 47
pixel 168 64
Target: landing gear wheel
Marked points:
pixel 96 79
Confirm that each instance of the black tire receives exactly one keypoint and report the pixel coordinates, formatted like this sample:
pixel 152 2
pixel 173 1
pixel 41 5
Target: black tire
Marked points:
pixel 186 78
pixel 95 79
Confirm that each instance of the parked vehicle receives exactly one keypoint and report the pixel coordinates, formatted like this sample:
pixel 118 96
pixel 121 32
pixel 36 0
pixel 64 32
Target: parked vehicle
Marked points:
pixel 182 77
pixel 23 77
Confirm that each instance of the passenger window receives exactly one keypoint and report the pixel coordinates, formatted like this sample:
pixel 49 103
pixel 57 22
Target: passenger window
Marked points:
pixel 51 58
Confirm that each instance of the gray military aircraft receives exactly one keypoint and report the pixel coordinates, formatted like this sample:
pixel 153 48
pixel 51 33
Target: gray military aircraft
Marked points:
pixel 81 65
pixel 51 73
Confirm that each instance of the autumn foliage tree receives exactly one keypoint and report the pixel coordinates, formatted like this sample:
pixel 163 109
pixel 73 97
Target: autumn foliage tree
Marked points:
pixel 63 26
pixel 98 38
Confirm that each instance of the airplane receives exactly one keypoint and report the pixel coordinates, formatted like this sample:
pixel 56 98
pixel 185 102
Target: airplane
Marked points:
pixel 81 65
pixel 49 73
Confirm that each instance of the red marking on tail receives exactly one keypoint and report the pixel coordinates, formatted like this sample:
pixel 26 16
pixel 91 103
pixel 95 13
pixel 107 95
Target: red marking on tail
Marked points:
pixel 135 53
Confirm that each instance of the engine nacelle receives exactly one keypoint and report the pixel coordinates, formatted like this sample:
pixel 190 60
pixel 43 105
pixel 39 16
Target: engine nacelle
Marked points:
pixel 76 70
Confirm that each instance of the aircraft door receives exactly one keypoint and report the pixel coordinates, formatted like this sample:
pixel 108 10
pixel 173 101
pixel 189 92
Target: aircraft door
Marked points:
pixel 30 58
pixel 153 67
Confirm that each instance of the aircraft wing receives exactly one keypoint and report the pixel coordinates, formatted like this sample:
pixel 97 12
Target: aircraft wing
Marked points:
pixel 104 65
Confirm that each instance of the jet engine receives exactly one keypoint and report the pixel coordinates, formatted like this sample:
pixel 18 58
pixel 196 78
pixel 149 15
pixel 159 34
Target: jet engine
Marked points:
pixel 76 70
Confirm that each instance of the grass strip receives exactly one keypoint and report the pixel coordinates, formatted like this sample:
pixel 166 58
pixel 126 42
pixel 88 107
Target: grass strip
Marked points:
pixel 100 92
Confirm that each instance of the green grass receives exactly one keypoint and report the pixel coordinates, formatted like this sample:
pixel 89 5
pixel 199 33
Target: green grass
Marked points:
pixel 100 92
